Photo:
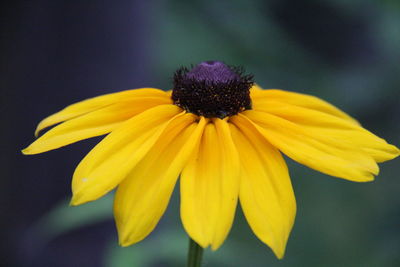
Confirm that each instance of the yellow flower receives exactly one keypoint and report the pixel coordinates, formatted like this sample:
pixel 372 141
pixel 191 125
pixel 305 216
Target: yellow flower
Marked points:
pixel 223 136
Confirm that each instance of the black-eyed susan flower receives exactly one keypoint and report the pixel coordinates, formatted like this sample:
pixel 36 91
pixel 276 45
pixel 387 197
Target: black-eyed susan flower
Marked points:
pixel 223 135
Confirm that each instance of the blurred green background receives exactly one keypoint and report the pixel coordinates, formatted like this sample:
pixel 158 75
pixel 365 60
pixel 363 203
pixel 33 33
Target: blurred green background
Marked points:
pixel 58 52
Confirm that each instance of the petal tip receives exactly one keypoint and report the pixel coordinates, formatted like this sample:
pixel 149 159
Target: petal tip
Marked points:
pixel 34 148
pixel 74 202
pixel 279 251
pixel 126 240
pixel 123 244
pixel 77 199
pixel 201 242
pixel 27 151
pixel 280 255
pixel 214 247
pixel 369 178
pixel 396 151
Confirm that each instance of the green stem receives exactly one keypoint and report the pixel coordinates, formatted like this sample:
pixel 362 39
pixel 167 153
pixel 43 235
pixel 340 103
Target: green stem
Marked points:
pixel 195 254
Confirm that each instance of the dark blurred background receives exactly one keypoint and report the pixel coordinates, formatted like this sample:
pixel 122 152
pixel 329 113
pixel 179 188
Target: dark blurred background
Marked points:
pixel 54 53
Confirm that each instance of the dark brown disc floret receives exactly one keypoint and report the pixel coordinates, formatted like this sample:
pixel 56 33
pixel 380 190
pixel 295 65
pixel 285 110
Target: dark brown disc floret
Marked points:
pixel 212 89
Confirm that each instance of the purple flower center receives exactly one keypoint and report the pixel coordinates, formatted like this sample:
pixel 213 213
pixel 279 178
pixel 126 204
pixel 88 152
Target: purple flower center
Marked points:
pixel 212 72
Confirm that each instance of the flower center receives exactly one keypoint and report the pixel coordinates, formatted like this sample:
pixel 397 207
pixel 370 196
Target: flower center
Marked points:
pixel 212 89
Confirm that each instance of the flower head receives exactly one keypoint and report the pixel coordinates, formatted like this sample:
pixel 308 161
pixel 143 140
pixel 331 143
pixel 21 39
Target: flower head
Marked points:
pixel 223 135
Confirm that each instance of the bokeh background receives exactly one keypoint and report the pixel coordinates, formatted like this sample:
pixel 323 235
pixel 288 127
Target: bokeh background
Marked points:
pixel 54 53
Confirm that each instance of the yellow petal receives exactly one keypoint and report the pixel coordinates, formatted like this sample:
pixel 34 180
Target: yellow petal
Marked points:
pixel 265 97
pixel 326 125
pixel 142 198
pixel 209 187
pixel 95 103
pixel 325 154
pixel 111 160
pixel 96 123
pixel 256 87
pixel 266 193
